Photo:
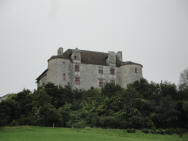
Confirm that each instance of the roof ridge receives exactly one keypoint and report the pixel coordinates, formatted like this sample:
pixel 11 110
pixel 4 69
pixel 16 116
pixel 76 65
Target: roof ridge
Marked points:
pixel 94 51
pixel 87 51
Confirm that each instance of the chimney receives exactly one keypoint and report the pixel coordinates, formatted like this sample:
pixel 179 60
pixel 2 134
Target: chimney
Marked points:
pixel 119 55
pixel 111 60
pixel 60 51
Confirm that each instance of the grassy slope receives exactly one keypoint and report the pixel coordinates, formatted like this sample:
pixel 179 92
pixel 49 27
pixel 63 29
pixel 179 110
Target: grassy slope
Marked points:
pixel 28 133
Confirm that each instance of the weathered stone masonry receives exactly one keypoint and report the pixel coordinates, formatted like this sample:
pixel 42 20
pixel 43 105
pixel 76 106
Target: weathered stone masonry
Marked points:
pixel 85 69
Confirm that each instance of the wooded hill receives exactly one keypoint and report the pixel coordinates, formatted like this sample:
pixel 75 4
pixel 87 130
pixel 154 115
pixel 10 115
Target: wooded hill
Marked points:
pixel 141 105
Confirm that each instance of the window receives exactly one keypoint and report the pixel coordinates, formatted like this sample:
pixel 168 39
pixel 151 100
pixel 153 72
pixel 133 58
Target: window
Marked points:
pixel 64 76
pixel 112 71
pixel 101 82
pixel 100 70
pixel 77 80
pixel 75 57
pixel 77 68
pixel 112 81
pixel 136 70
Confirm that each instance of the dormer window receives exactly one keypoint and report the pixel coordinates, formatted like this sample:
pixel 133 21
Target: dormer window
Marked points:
pixel 77 68
pixel 112 71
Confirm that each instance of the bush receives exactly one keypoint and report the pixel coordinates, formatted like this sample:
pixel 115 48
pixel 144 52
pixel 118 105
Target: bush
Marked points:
pixel 131 130
pixel 181 131
pixel 153 131
pixel 170 131
pixel 14 123
pixel 146 131
pixel 79 124
pixel 160 131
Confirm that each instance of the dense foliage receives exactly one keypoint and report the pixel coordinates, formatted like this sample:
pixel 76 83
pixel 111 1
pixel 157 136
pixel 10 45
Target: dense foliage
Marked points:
pixel 141 105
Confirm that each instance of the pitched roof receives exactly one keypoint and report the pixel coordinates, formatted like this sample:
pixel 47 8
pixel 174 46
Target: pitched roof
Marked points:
pixel 40 76
pixel 130 63
pixel 93 57
pixel 87 57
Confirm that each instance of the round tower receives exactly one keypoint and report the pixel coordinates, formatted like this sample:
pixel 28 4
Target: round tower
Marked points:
pixel 129 73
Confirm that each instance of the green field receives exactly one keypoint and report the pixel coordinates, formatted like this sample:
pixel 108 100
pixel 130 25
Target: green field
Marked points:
pixel 29 133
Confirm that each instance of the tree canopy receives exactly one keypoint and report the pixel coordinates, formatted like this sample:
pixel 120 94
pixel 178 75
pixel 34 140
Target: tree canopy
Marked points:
pixel 141 105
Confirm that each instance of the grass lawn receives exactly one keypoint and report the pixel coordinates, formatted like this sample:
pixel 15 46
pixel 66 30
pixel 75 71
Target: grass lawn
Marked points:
pixel 30 133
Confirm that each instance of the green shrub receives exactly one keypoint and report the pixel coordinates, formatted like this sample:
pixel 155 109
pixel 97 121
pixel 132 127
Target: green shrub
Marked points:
pixel 153 131
pixel 131 130
pixel 160 131
pixel 146 131
pixel 79 124
pixel 170 131
pixel 14 123
pixel 181 130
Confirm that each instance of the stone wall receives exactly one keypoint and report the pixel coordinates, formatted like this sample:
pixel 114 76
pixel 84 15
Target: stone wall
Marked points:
pixel 42 81
pixel 59 71
pixel 62 71
pixel 128 74
pixel 89 75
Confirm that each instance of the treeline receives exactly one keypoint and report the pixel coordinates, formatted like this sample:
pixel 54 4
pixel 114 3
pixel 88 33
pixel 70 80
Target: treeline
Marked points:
pixel 141 105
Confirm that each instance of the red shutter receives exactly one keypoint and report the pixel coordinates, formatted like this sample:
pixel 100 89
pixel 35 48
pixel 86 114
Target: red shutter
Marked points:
pixel 77 81
pixel 75 57
pixel 101 83
pixel 77 68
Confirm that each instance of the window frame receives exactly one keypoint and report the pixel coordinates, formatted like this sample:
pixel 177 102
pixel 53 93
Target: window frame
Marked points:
pixel 100 70
pixel 101 82
pixel 112 71
pixel 64 76
pixel 136 70
pixel 77 80
pixel 75 57
pixel 77 68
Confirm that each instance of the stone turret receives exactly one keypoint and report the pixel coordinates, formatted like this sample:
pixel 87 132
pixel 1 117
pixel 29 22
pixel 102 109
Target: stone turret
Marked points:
pixel 60 51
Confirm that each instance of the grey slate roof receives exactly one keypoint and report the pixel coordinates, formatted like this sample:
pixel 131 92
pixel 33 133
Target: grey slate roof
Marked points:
pixel 40 76
pixel 87 57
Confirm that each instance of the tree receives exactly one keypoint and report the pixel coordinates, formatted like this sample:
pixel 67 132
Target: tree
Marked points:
pixel 184 79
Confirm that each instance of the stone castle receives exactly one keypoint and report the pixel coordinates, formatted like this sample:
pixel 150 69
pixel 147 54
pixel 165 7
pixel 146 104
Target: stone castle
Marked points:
pixel 84 69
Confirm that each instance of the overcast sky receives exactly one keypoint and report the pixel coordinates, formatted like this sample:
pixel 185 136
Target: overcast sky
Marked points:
pixel 151 32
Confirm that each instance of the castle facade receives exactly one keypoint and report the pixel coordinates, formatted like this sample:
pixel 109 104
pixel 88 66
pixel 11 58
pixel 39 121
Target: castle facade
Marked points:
pixel 84 69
